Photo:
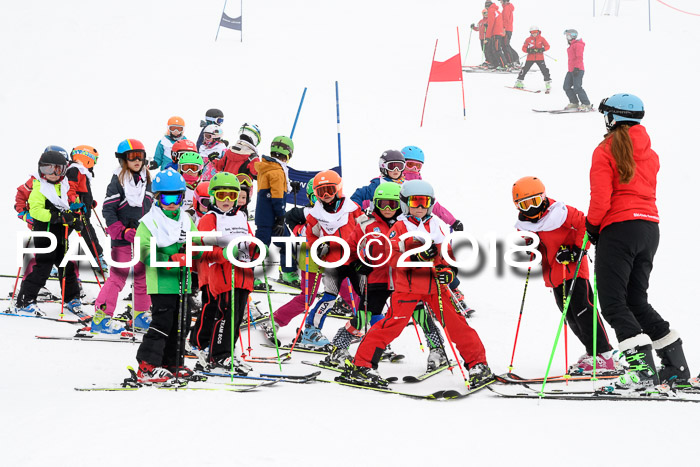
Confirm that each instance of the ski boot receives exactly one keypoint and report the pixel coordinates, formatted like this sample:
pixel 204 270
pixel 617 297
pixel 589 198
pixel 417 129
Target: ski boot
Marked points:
pixel 151 374
pixel 337 357
pixel 479 375
pixel 584 365
pixel 125 315
pixel 45 295
pixel 390 355
pixel 547 86
pixel 259 286
pixel 74 307
pixel 519 84
pixel 585 107
pixel 142 320
pixel 341 308
pixel 102 323
pixel 102 266
pixel 641 374
pixel 54 271
pixel 239 368
pixel 255 314
pixel 290 278
pixel 436 359
pixel 313 337
pixel 571 106
pixel 30 309
pixel 694 382
pixel 674 368
pixel 461 305
pixel 270 333
pixel 179 372
pixel 361 376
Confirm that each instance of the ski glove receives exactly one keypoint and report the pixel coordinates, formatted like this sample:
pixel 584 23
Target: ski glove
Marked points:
pixel 214 155
pixel 457 226
pixel 568 254
pixel 426 255
pixel 278 228
pixel 129 235
pixel 25 216
pixel 362 268
pixel 77 207
pixel 593 232
pixel 153 165
pixel 296 186
pixel 234 253
pixel 179 258
pixel 445 274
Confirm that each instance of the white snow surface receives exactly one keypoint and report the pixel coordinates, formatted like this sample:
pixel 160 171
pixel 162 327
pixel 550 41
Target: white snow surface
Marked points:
pixel 79 72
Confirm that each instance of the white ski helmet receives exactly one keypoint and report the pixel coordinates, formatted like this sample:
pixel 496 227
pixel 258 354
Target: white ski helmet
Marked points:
pixel 251 133
pixel 534 28
pixel 214 130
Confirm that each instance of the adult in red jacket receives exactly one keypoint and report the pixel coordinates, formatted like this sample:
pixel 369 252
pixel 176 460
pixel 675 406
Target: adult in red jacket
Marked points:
pixel 623 222
pixel 560 229
pixel 535 46
pixel 510 54
pixel 573 81
pixel 481 27
pixel 494 36
pixel 418 284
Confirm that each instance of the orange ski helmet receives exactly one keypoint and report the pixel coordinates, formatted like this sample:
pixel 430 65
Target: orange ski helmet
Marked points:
pixel 86 155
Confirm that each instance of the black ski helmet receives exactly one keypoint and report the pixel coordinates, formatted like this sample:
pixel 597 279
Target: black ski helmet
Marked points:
pixel 215 116
pixel 390 155
pixel 58 149
pixel 51 157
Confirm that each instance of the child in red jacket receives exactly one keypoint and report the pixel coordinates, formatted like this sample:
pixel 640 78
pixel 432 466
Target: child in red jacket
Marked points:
pixel 560 229
pixel 480 27
pixel 417 284
pixel 535 46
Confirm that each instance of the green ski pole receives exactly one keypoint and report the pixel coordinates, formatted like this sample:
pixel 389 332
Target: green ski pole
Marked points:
pixel 272 317
pixel 233 306
pixel 595 328
pixel 563 313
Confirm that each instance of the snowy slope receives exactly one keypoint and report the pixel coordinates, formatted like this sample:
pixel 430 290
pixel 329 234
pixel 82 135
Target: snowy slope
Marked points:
pixel 79 72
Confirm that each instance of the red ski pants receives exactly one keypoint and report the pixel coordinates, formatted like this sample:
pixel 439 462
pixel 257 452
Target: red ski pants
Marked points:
pixel 402 305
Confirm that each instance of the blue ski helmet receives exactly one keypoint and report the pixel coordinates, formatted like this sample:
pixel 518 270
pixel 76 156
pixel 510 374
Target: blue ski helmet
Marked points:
pixel 58 149
pixel 416 188
pixel 621 108
pixel 168 181
pixel 413 153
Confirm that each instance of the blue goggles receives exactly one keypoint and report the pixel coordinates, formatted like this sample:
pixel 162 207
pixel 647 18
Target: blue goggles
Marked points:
pixel 168 199
pixel 217 120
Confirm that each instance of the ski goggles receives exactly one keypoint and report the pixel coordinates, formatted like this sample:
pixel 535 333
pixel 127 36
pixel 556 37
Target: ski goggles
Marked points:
pixel 168 199
pixel 387 204
pixel 226 195
pixel 527 203
pixel 415 166
pixel 420 201
pixel 325 191
pixel 244 179
pixel 53 169
pixel 135 156
pixel 395 165
pixel 217 120
pixel 204 202
pixel 176 129
pixel 190 168
pixel 209 136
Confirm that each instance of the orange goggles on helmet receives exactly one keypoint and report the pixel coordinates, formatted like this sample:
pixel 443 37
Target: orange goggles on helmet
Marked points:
pixel 226 195
pixel 527 203
pixel 325 191
pixel 420 201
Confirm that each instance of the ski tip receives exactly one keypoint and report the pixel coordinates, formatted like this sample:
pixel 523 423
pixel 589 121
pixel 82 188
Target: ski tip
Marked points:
pixel 392 379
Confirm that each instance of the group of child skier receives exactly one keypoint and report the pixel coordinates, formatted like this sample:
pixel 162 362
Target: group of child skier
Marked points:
pixel 208 188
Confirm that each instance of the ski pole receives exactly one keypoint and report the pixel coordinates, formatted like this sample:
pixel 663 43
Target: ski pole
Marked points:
pixel 94 249
pixel 469 42
pixel 447 335
pixel 520 317
pixel 563 313
pixel 233 297
pixel 595 328
pixel 250 349
pixel 306 299
pixel 566 327
pixel 549 56
pixel 420 342
pixel 132 270
pixel 63 279
pixel 179 324
pixel 19 270
pixel 352 298
pixel 100 222
pixel 272 316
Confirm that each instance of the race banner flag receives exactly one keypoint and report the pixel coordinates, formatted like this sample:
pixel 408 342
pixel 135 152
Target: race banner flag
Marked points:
pixel 235 23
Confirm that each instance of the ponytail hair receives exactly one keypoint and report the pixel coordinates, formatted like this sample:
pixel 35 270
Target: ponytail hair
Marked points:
pixel 622 150
pixel 125 170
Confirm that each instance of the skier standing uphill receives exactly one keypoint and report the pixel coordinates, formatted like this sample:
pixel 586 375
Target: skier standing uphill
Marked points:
pixel 211 150
pixel 494 36
pixel 273 185
pixel 190 166
pixel 51 211
pixel 480 27
pixel 332 215
pixel 212 117
pixel 391 167
pixel 79 175
pixel 162 158
pixel 227 217
pixel 180 147
pixel 128 199
pixel 623 223
pixel 166 225
pixel 242 156
pixel 573 81
pixel 535 46
pixel 510 54
pixel 413 285
pixel 560 229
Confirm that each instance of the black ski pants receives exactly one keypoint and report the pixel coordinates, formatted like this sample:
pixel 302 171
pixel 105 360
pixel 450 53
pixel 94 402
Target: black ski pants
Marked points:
pixel 494 51
pixel 203 329
pixel 528 65
pixel 377 295
pixel 579 316
pixel 510 53
pixel 40 271
pixel 221 339
pixel 624 260
pixel 159 346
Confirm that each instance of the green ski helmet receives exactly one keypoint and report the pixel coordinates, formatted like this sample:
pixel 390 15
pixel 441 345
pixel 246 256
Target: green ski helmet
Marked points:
pixel 389 191
pixel 223 181
pixel 282 145
pixel 310 192
pixel 189 157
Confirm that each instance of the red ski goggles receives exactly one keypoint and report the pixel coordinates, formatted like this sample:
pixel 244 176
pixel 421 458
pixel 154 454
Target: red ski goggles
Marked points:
pixel 324 191
pixel 420 201
pixel 527 203
pixel 414 166
pixel 135 156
